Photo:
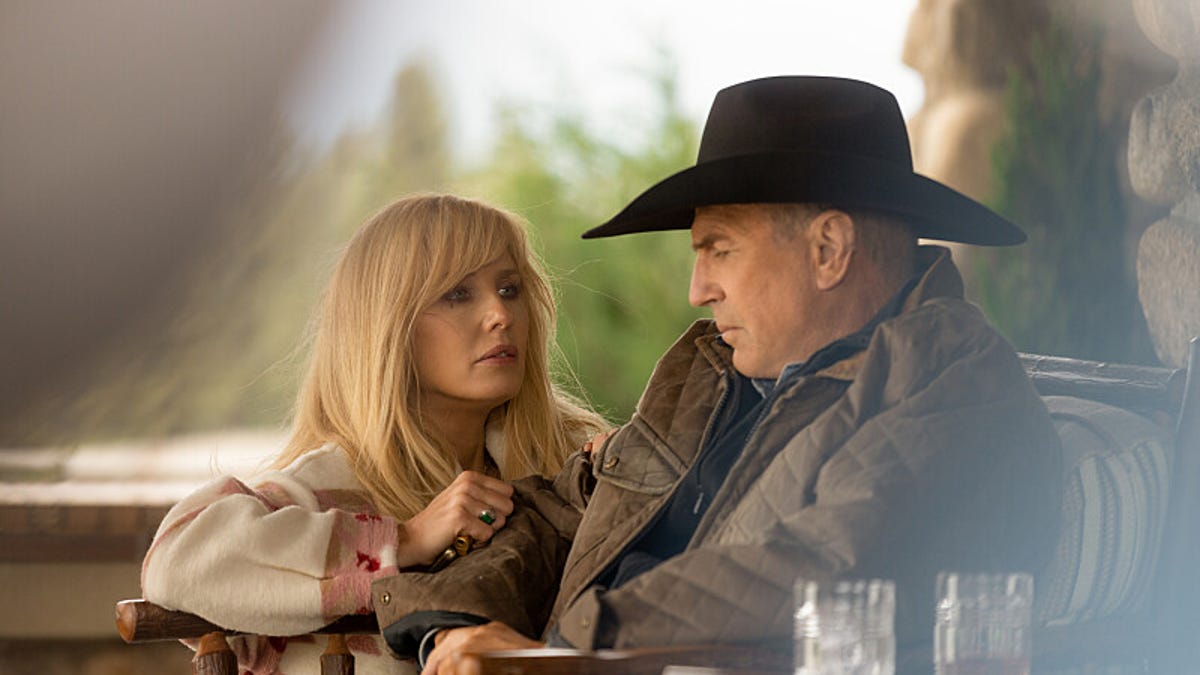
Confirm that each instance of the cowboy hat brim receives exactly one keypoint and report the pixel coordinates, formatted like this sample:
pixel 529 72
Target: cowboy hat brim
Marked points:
pixel 931 209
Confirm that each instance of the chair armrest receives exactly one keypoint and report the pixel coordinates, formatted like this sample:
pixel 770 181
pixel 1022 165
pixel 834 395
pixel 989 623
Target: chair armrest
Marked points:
pixel 143 621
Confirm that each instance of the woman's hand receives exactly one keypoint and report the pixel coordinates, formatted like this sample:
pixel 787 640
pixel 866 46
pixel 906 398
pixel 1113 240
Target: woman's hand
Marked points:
pixel 455 510
pixel 595 444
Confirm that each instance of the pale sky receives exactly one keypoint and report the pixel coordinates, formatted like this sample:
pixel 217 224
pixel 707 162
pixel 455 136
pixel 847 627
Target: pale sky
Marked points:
pixel 589 56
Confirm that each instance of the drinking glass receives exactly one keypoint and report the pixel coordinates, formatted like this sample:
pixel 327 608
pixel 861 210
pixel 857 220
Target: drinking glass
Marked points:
pixel 983 624
pixel 845 627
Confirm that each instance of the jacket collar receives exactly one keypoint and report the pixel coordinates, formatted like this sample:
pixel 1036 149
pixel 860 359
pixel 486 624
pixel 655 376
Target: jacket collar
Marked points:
pixel 494 442
pixel 940 279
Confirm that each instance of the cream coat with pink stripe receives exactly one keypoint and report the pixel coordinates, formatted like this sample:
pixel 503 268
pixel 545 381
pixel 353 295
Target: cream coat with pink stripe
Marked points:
pixel 285 556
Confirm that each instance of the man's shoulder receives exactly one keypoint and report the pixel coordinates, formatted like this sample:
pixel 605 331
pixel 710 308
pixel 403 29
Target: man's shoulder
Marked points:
pixel 938 335
pixel 939 324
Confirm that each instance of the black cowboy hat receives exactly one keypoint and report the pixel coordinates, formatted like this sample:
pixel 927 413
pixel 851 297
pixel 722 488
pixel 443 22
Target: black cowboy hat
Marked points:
pixel 821 140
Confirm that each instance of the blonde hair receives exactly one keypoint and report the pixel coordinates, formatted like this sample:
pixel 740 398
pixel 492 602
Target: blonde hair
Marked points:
pixel 361 389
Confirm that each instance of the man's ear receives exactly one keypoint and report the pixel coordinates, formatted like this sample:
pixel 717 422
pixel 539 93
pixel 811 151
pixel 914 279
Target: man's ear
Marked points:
pixel 832 239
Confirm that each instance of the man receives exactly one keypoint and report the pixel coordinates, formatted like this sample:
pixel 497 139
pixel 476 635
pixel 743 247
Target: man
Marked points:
pixel 845 414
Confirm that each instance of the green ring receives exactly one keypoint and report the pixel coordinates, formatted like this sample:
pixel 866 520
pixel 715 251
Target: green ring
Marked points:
pixel 487 517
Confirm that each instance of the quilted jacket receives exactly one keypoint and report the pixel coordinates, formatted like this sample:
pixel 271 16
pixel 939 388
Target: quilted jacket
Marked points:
pixel 929 450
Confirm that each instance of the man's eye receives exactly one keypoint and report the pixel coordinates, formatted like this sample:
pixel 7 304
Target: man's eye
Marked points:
pixel 510 291
pixel 459 294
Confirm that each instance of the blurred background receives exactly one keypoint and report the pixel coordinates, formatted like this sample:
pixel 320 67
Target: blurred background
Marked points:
pixel 176 180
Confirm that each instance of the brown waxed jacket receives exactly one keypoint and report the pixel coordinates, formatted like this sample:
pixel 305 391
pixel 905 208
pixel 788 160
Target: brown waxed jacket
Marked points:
pixel 929 450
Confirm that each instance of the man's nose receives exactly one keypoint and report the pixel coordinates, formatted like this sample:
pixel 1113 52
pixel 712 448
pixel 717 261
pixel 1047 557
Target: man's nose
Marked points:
pixel 701 291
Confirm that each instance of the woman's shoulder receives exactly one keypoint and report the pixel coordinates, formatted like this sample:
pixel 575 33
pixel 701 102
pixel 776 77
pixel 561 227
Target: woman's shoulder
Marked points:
pixel 319 479
pixel 324 468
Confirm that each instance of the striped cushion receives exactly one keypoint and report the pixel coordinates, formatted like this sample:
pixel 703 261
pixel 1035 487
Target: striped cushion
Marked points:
pixel 1115 471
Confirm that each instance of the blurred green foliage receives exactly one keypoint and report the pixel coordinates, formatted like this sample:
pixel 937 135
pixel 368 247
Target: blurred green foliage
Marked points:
pixel 222 344
pixel 1070 290
pixel 622 301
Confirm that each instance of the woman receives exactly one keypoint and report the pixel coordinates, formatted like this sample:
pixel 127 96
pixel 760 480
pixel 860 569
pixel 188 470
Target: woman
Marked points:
pixel 428 387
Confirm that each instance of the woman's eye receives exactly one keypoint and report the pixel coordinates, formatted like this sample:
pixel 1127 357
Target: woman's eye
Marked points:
pixel 510 291
pixel 459 294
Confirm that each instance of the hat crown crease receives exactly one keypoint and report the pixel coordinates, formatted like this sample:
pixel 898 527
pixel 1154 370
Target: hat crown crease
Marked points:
pixel 842 118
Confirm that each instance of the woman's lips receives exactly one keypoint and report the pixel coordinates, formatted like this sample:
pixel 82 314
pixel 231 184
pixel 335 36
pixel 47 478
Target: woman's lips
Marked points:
pixel 499 354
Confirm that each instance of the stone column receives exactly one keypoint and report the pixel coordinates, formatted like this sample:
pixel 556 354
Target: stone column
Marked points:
pixel 964 51
pixel 1164 168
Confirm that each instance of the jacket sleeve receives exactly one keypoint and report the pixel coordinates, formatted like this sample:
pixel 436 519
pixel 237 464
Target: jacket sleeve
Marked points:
pixel 514 578
pixel 268 559
pixel 936 458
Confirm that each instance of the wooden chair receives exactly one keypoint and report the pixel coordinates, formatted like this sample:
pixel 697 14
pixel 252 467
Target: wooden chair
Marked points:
pixel 1164 639
pixel 142 621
